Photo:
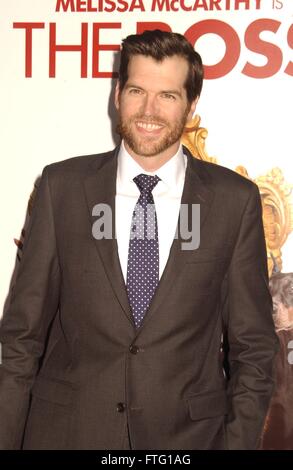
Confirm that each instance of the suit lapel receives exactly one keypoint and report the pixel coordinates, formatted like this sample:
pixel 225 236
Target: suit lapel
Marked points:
pixel 100 187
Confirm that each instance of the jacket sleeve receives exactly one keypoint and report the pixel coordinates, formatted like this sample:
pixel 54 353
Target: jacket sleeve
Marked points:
pixel 252 340
pixel 26 320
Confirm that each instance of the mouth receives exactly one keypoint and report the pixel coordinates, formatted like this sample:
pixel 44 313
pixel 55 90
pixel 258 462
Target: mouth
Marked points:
pixel 149 127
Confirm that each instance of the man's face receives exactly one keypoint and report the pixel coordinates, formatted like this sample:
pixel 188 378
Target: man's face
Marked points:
pixel 153 106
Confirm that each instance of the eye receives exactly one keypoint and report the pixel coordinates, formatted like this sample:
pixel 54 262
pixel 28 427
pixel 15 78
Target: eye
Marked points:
pixel 135 91
pixel 168 96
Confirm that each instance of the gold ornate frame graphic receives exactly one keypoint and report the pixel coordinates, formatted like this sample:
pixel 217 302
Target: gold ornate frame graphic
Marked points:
pixel 274 190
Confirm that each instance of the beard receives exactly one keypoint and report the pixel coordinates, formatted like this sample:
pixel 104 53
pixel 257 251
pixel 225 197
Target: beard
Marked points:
pixel 149 146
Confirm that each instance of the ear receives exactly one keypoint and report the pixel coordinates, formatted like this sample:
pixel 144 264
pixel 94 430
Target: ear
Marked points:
pixel 192 109
pixel 117 94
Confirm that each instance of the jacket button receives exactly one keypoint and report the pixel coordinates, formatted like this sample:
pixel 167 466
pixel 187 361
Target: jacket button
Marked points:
pixel 120 407
pixel 134 349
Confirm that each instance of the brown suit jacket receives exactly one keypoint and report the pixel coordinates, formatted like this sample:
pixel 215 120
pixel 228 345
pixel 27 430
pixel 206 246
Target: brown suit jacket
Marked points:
pixel 75 370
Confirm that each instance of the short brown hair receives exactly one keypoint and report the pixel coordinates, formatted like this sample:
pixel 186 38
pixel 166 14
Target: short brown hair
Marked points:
pixel 159 45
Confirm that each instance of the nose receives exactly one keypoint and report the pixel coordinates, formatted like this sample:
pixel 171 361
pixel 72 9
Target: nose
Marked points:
pixel 150 105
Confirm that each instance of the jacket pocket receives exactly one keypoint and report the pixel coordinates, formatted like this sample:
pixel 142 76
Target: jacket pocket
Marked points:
pixel 61 393
pixel 208 405
pixel 211 254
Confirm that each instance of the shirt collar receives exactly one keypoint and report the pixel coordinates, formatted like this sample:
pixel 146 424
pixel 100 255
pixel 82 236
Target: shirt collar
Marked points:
pixel 172 173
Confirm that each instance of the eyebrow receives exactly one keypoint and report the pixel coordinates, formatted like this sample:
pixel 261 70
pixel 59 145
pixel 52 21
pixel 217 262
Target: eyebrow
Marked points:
pixel 171 92
pixel 130 85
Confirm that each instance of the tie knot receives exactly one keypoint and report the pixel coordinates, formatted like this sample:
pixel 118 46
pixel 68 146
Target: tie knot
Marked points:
pixel 146 183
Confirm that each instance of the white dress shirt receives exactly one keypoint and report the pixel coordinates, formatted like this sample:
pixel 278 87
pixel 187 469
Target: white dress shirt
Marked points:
pixel 167 197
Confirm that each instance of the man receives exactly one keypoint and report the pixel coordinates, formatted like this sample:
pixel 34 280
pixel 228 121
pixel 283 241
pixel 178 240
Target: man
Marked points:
pixel 116 342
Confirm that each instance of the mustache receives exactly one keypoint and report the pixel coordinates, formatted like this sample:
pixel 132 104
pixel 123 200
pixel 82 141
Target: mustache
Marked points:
pixel 150 119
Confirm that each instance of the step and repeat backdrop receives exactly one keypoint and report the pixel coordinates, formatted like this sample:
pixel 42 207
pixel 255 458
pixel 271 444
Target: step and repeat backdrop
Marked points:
pixel 59 61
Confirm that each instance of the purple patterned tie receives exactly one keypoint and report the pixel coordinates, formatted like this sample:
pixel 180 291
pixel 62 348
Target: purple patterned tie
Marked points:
pixel 143 254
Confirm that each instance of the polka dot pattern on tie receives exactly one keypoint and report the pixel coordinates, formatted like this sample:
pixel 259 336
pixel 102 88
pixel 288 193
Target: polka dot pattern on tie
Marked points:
pixel 143 254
